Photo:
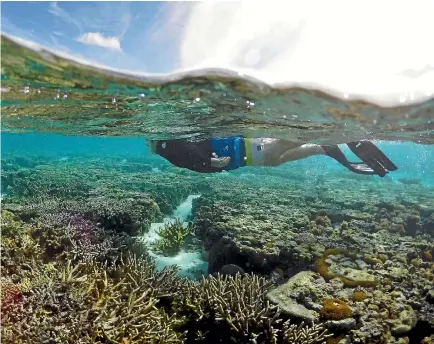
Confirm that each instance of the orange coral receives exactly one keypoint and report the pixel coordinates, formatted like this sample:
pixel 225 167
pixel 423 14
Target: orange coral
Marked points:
pixel 322 268
pixel 335 309
pixel 359 296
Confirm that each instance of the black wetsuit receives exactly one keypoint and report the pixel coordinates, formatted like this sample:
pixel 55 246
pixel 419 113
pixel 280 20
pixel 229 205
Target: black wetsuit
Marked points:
pixel 195 156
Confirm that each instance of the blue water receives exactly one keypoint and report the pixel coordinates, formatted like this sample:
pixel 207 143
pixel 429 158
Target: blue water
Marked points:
pixel 413 160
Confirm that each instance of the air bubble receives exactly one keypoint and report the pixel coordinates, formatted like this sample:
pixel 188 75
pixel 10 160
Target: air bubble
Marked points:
pixel 197 99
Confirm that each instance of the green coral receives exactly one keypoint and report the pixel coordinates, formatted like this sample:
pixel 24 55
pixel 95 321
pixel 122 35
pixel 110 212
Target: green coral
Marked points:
pixel 173 236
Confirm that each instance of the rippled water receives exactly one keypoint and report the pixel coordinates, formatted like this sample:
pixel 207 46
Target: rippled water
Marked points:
pixel 47 93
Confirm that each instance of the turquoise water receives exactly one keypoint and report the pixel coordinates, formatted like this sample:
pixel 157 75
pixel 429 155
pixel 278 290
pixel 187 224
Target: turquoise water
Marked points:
pixel 104 242
pixel 413 160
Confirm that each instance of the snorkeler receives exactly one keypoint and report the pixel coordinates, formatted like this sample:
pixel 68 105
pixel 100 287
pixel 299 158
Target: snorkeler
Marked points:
pixel 229 153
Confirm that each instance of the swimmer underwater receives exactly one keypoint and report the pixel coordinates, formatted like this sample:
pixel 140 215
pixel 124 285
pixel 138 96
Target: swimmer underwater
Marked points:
pixel 229 153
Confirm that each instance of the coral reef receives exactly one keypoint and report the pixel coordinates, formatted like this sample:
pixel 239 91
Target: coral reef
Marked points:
pixel 428 340
pixel 288 262
pixel 124 300
pixel 350 276
pixel 172 237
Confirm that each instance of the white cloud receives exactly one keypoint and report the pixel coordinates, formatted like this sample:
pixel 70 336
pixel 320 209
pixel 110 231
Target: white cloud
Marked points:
pixel 363 47
pixel 96 38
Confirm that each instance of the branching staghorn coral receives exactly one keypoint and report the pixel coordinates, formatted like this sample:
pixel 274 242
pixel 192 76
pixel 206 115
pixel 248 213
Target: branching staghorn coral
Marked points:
pixel 142 271
pixel 125 302
pixel 172 237
pixel 73 298
pixel 17 245
pixel 303 334
pixel 66 236
pixel 10 299
pixel 239 302
pixel 52 305
pixel 90 303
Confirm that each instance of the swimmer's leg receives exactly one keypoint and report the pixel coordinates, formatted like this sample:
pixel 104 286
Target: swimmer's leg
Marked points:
pixel 297 153
pixel 274 152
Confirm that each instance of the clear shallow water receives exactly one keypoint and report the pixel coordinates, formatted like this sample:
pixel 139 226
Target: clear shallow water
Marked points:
pixel 413 160
pixel 79 186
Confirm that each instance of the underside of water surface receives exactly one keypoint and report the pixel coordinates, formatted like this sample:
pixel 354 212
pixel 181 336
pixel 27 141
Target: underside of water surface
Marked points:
pixel 45 92
pixel 104 242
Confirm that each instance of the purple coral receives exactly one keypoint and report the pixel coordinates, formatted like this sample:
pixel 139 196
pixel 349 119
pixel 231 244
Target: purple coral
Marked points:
pixel 81 229
pixel 78 237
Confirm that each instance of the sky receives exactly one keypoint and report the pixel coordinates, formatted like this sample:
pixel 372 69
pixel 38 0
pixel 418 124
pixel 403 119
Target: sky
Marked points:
pixel 122 35
pixel 380 49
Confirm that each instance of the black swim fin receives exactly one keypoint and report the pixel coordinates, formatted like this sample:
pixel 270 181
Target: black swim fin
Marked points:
pixel 373 157
pixel 361 168
pixel 334 152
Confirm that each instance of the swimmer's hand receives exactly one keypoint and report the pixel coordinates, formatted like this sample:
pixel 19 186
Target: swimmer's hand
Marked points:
pixel 220 162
